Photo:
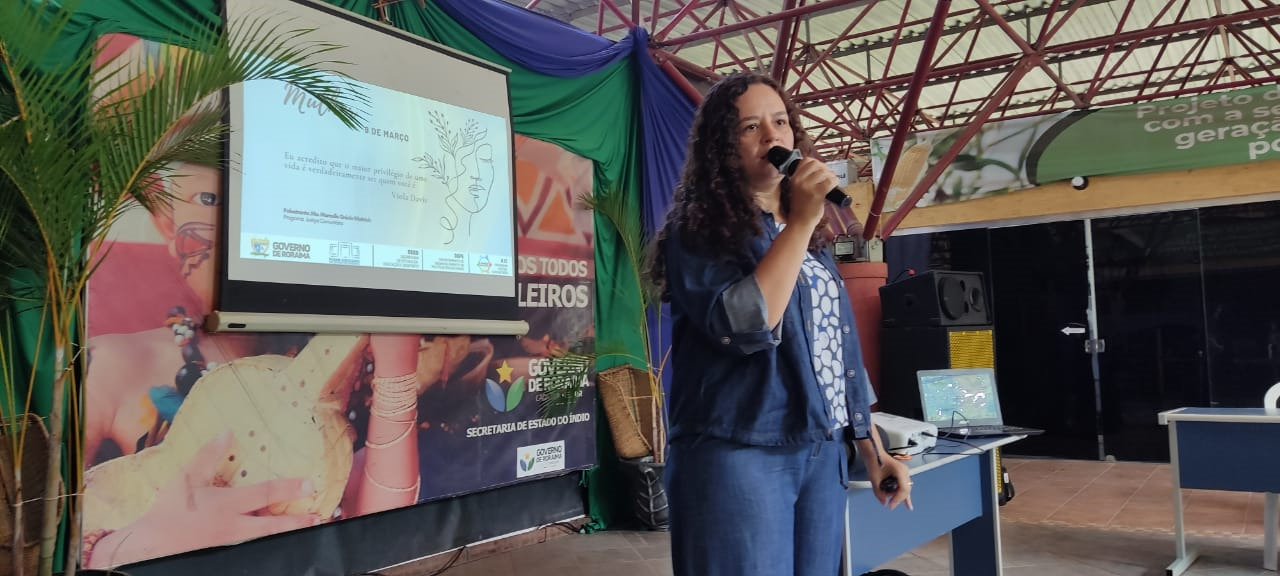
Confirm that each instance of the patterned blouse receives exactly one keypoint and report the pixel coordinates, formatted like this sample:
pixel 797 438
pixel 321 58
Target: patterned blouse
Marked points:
pixel 828 346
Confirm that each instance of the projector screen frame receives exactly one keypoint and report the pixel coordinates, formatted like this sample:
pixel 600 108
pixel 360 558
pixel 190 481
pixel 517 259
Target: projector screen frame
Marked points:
pixel 219 321
pixel 277 307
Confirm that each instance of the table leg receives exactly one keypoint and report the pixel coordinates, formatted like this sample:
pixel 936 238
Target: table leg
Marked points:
pixel 1269 531
pixel 975 545
pixel 846 563
pixel 1185 558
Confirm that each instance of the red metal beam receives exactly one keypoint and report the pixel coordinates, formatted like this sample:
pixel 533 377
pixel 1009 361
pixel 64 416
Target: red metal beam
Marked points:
pixel 968 55
pixel 1066 48
pixel 684 65
pixel 678 79
pixel 893 49
pixel 684 11
pixel 741 14
pixel 908 115
pixel 756 22
pixel 1036 55
pixel 1098 77
pixel 923 22
pixel 720 45
pixel 1254 49
pixel 1010 82
pixel 830 46
pixel 785 46
pixel 616 12
pixel 1041 107
pixel 1189 91
pixel 850 131
pixel 1044 36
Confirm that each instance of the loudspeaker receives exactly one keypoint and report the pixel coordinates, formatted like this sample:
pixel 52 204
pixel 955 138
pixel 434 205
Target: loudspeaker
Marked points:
pixel 936 298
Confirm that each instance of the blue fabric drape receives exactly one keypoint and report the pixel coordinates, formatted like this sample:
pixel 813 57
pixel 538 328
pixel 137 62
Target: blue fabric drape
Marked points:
pixel 666 116
pixel 539 43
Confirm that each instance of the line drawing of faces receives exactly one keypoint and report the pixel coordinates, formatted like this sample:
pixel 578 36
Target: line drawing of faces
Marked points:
pixel 465 168
pixel 477 174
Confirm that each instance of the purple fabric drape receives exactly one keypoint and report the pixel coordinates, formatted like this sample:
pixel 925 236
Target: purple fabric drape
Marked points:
pixel 539 43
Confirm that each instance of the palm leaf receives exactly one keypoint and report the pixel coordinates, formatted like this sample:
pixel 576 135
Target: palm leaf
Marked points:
pixel 179 117
pixel 79 146
pixel 563 375
pixel 613 207
pixel 561 381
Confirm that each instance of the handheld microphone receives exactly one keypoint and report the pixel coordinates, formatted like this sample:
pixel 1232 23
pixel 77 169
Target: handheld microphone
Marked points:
pixel 786 160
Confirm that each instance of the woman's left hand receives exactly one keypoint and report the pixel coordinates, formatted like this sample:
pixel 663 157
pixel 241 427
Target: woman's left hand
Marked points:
pixel 897 470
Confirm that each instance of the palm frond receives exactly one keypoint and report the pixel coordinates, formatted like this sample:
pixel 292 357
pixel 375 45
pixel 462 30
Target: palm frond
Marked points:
pixel 562 379
pixel 615 210
pixel 177 116
pixel 79 146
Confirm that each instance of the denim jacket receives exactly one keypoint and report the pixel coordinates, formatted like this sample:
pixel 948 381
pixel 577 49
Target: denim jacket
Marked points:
pixel 735 378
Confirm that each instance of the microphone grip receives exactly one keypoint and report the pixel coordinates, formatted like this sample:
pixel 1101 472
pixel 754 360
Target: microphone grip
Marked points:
pixel 839 198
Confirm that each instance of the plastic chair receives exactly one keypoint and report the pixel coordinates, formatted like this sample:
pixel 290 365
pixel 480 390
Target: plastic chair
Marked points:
pixel 1270 400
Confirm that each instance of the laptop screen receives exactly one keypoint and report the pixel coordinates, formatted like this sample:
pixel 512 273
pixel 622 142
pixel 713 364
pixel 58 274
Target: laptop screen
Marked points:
pixel 960 397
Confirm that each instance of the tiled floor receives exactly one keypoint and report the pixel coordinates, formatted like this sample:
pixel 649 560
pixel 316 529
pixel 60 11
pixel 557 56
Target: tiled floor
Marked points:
pixel 1074 518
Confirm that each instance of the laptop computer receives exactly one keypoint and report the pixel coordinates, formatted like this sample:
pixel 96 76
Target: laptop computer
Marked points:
pixel 964 403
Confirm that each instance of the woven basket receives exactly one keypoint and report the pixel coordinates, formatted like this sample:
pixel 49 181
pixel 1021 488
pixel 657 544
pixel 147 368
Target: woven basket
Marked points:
pixel 628 404
pixel 30 557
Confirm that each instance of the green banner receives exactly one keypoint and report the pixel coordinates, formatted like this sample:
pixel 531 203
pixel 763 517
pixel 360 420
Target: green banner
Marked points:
pixel 1180 134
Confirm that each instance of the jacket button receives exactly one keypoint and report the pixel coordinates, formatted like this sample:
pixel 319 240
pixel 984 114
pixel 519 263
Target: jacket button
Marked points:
pixel 850 373
pixel 725 340
pixel 845 328
pixel 857 416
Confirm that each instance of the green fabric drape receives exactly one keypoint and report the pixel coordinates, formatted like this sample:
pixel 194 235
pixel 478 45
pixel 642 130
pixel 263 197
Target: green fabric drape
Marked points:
pixel 160 20
pixel 25 333
pixel 595 116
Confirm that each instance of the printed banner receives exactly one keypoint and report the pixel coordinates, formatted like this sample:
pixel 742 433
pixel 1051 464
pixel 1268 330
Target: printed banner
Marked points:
pixel 196 439
pixel 1180 134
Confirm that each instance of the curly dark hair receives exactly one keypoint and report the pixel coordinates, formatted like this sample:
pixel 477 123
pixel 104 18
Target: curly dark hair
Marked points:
pixel 712 211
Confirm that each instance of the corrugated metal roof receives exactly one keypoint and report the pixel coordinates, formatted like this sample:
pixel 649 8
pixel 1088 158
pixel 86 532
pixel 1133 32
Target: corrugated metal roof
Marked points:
pixel 867 54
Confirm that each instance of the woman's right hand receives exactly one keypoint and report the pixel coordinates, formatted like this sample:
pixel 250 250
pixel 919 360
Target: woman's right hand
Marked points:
pixel 192 512
pixel 809 186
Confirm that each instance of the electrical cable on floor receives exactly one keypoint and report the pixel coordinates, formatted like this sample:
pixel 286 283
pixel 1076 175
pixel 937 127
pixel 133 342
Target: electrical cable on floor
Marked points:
pixel 452 561
pixel 567 527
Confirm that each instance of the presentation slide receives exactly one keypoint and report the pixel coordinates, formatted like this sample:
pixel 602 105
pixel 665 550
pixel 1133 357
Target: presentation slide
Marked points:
pixel 423 186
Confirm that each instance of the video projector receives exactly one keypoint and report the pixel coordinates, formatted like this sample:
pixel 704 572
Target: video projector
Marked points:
pixel 904 435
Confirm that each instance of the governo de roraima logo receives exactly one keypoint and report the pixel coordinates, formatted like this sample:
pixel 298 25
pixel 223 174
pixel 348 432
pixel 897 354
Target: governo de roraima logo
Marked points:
pixel 505 395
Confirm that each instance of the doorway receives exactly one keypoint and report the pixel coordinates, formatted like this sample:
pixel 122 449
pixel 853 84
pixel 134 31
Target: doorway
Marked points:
pixel 1147 279
pixel 1039 289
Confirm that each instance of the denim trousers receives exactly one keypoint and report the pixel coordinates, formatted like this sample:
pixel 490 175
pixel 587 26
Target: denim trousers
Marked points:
pixel 739 510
